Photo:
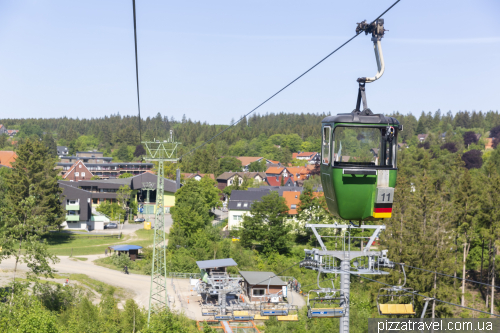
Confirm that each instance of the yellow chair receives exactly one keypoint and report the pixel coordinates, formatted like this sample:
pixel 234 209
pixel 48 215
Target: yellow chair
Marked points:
pixel 259 317
pixel 396 309
pixel 240 313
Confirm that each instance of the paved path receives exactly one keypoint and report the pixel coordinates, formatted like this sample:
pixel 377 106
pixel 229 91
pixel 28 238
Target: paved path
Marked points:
pixel 136 285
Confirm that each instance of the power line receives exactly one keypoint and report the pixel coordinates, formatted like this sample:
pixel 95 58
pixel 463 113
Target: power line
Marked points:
pixel 435 299
pixel 455 277
pixel 289 84
pixel 137 72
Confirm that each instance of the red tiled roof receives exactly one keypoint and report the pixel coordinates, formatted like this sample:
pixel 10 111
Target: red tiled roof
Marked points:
pixel 7 157
pixel 301 171
pixel 246 160
pixel 306 154
pixel 294 155
pixel 292 198
pixel 275 170
pixel 273 182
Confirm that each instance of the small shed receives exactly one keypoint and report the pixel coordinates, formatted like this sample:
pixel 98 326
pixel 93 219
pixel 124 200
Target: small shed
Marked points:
pixel 256 286
pixel 131 250
pixel 214 267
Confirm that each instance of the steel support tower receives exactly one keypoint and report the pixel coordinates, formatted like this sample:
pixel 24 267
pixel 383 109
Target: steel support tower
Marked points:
pixel 159 152
pixel 365 261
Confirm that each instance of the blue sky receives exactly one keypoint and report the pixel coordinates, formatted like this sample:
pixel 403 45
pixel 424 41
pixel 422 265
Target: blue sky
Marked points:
pixel 216 60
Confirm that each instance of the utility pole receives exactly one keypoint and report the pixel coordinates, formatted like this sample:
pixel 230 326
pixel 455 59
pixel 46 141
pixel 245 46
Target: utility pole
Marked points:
pixel 160 152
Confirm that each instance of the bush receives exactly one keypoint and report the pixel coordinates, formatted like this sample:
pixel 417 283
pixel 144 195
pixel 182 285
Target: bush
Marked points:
pixel 495 132
pixel 469 138
pixel 450 146
pixel 425 145
pixel 472 159
pixel 121 261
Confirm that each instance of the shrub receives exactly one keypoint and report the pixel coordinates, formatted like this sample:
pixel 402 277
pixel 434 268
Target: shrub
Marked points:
pixel 450 146
pixel 472 159
pixel 469 138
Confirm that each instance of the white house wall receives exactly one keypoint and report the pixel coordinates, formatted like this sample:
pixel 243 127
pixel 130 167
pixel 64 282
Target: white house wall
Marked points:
pixel 235 218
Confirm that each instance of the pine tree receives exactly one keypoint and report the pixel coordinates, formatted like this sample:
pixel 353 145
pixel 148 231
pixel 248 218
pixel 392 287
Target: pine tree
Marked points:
pixel 465 205
pixel 34 171
pixel 50 144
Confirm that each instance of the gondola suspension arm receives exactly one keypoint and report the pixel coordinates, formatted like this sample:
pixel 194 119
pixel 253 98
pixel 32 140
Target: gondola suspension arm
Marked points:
pixel 377 30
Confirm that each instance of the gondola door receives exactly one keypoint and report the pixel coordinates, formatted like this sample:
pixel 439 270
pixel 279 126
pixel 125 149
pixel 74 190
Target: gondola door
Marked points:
pixel 326 160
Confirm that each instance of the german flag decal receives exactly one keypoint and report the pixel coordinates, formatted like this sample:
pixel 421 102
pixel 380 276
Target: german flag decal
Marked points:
pixel 382 211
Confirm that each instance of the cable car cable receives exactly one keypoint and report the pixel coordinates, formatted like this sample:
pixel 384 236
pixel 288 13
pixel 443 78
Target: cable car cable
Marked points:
pixel 289 84
pixel 455 277
pixel 137 73
pixel 437 300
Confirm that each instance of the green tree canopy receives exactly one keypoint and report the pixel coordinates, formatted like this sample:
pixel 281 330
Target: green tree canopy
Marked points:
pixel 229 164
pixel 267 224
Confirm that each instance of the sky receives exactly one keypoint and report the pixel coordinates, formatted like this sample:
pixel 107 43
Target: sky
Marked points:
pixel 216 60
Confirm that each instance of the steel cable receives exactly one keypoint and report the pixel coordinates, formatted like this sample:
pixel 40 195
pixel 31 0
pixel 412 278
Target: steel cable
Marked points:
pixel 289 84
pixel 454 277
pixel 415 293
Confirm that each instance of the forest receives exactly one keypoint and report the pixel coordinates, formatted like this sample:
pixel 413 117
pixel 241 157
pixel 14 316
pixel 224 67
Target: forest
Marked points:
pixel 446 214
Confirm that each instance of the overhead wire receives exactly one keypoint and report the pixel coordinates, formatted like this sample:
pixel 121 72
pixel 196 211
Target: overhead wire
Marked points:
pixel 415 293
pixel 454 277
pixel 137 72
pixel 286 86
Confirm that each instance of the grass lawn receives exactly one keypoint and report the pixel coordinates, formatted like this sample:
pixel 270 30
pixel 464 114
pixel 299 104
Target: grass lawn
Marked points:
pixel 62 244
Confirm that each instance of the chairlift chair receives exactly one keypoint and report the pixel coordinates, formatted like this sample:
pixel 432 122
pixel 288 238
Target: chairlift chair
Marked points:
pixel 328 302
pixel 272 307
pixel 327 305
pixel 396 300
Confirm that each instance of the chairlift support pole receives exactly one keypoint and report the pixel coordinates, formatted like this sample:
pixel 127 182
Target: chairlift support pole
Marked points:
pixel 160 152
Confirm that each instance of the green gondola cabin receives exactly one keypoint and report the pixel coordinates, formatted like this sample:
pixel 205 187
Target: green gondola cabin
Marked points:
pixel 358 164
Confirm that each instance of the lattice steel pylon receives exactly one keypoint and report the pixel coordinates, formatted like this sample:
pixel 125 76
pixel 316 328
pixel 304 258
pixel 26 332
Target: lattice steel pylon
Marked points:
pixel 159 152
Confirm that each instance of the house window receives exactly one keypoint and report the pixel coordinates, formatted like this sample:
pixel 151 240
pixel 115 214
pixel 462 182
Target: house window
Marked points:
pixel 241 181
pixel 95 201
pixel 83 174
pixel 71 202
pixel 238 217
pixel 258 292
pixel 239 204
pixel 80 166
pixel 245 204
pixel 230 182
pixel 77 174
pixel 293 207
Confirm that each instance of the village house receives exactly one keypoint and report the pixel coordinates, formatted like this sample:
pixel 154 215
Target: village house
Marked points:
pixel 231 178
pixel 78 172
pixel 422 137
pixel 259 285
pixel 197 176
pixel 247 160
